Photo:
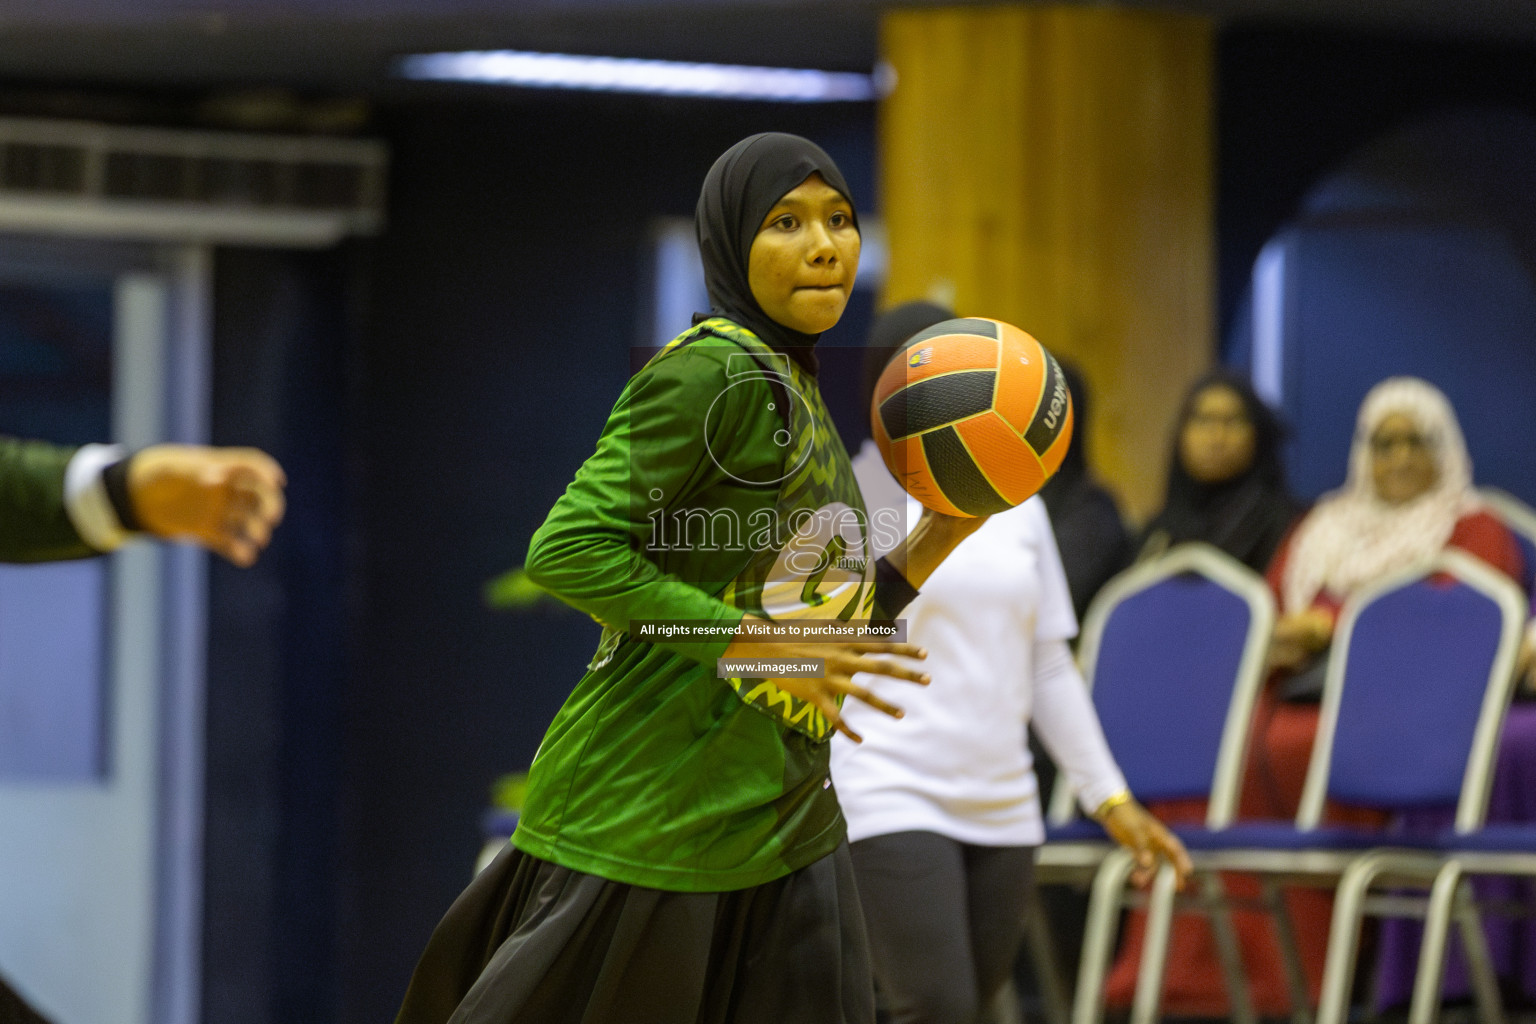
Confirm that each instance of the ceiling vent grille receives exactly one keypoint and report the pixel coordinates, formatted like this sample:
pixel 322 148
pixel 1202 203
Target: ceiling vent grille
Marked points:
pixel 208 186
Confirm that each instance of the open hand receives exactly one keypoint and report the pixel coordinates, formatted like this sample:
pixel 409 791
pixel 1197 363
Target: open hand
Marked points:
pixel 1298 636
pixel 843 661
pixel 1135 828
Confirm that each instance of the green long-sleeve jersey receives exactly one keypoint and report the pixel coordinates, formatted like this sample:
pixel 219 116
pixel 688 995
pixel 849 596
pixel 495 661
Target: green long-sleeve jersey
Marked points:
pixel 706 498
pixel 34 526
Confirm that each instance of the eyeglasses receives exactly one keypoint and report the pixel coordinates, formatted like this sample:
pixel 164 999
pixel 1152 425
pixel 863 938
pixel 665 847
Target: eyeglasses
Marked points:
pixel 1383 445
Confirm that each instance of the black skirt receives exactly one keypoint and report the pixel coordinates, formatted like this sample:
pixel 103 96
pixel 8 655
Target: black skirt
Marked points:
pixel 14 1011
pixel 532 943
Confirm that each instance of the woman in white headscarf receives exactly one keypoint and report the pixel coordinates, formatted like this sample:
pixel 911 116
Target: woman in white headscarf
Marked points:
pixel 1408 496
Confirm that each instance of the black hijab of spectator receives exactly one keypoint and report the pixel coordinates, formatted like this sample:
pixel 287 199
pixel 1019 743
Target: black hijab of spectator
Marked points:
pixel 891 331
pixel 1074 466
pixel 1246 516
pixel 1085 517
pixel 739 191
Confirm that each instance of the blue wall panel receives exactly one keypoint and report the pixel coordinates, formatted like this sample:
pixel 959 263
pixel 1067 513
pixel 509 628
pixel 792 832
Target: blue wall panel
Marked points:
pixel 1450 303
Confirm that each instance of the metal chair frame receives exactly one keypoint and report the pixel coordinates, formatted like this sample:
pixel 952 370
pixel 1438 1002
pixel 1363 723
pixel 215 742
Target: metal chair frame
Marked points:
pixel 1353 871
pixel 1101 864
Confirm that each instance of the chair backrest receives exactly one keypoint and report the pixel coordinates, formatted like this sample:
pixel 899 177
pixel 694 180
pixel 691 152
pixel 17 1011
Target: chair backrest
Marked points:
pixel 1521 520
pixel 1419 677
pixel 1173 651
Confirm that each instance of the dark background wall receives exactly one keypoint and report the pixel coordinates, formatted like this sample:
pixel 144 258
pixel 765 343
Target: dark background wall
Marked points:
pixel 1292 105
pixel 280 635
pixel 432 392
pixel 1399 171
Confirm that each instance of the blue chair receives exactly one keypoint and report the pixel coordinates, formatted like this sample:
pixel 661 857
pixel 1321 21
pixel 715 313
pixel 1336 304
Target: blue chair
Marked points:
pixel 1173 651
pixel 1507 850
pixel 1418 680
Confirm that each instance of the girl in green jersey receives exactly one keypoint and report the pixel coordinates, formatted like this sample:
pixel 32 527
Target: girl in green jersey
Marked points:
pixel 681 856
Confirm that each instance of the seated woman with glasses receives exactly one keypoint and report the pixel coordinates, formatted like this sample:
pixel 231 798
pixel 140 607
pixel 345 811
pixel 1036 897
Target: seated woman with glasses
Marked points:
pixel 1408 496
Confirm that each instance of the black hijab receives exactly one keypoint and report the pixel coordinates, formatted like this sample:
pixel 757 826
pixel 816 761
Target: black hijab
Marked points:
pixel 739 190
pixel 1246 516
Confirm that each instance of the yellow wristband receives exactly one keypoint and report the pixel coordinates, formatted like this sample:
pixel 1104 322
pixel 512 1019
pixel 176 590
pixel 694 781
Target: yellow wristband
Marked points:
pixel 1110 803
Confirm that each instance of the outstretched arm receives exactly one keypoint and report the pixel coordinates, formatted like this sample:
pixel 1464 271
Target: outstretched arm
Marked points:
pixel 61 503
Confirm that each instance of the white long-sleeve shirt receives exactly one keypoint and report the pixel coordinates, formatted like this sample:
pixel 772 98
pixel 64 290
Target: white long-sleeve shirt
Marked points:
pixel 995 617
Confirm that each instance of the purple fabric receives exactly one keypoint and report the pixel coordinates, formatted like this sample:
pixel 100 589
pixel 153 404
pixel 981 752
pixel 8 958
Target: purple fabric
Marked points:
pixel 496 823
pixel 1512 943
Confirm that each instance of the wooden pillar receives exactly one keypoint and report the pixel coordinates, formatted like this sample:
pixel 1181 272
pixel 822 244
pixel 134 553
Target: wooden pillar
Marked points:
pixel 1052 167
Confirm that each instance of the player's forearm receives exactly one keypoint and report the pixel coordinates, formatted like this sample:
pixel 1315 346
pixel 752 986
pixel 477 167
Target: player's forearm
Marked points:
pixel 597 570
pixel 594 567
pixel 1068 726
pixel 929 543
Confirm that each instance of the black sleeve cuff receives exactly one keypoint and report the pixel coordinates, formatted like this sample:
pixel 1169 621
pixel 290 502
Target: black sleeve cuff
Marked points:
pixel 892 591
pixel 115 479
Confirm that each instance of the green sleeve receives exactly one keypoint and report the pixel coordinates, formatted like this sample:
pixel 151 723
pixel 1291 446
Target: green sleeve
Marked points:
pixel 34 526
pixel 591 550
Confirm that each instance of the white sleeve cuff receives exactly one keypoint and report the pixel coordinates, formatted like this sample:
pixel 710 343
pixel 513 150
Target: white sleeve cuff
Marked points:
pixel 86 500
pixel 1090 798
